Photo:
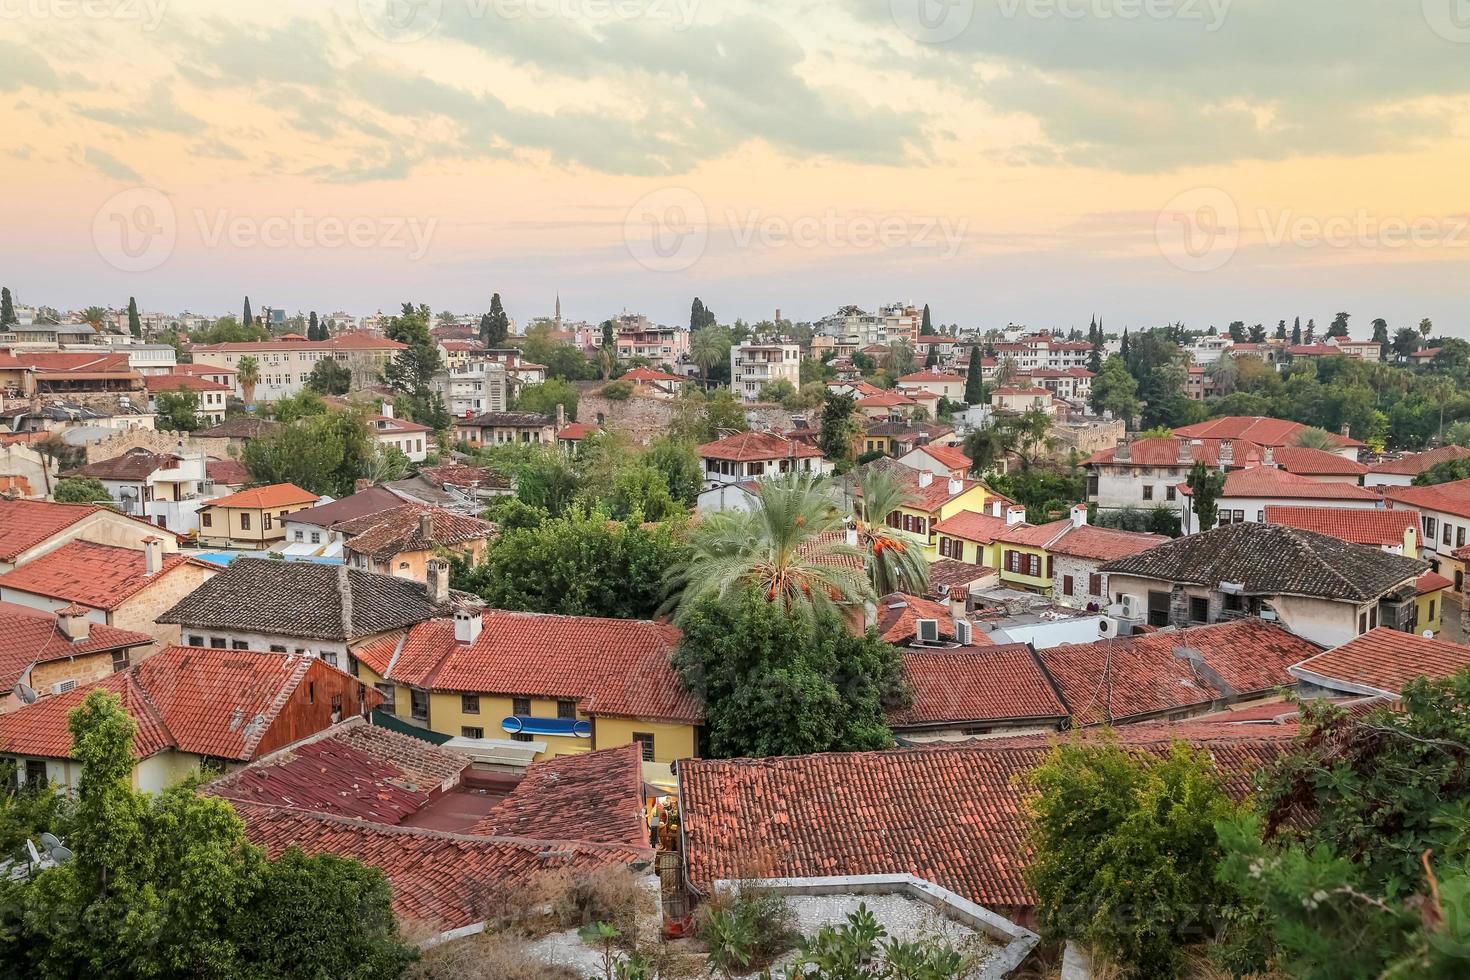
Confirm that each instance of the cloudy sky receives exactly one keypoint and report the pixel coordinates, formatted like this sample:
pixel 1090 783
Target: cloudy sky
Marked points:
pixel 1034 161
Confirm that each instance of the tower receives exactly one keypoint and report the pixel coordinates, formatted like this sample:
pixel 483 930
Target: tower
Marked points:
pixel 558 311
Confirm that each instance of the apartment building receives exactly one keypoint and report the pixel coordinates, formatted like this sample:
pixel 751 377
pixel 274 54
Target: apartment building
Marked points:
pixel 755 365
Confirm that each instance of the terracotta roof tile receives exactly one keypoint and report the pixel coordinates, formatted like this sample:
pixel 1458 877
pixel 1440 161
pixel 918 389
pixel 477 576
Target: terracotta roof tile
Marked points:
pixel 1033 535
pixel 747 446
pixel 29 636
pixel 643 375
pixel 1356 524
pixel 239 427
pixel 1164 451
pixel 98 575
pixel 227 472
pixel 971 685
pixel 400 529
pixel 1413 464
pixel 1383 661
pixel 1269 482
pixel 371 500
pixel 1103 543
pixel 947 572
pixel 26 523
pixel 1447 498
pixel 898 617
pixel 972 526
pixel 594 796
pixel 275 495
pixel 888 399
pixel 135 464
pixel 947 456
pixel 156 383
pixel 1255 428
pixel 1316 462
pixel 920 376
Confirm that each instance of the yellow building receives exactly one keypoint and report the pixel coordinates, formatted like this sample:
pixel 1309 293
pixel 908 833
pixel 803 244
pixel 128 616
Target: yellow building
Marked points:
pixel 251 518
pixel 568 684
pixel 933 499
pixel 1429 605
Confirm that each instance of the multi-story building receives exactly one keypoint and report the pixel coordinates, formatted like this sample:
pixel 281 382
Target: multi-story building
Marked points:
pixel 756 364
pixel 150 359
pixel 212 396
pixel 1444 513
pixel 637 337
pixel 286 364
pixel 853 328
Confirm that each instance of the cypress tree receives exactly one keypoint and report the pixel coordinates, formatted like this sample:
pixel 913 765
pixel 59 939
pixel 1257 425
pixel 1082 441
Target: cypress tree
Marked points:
pixel 926 327
pixel 7 308
pixel 975 380
pixel 312 328
pixel 1296 331
pixel 135 325
pixel 495 325
pixel 247 319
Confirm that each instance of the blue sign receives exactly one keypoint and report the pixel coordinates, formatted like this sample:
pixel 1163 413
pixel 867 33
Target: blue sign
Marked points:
pixel 565 727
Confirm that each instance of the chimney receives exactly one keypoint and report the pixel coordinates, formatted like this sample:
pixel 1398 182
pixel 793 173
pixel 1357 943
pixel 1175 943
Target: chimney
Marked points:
pixel 995 507
pixel 1227 453
pixel 561 416
pixel 344 594
pixel 1185 456
pixel 955 486
pixel 1346 431
pixel 468 621
pixel 1015 514
pixel 426 525
pixel 1079 515
pixel 958 596
pixel 153 555
pixel 926 478
pixel 852 537
pixel 1123 451
pixel 358 486
pixel 75 625
pixel 1270 457
pixel 438 581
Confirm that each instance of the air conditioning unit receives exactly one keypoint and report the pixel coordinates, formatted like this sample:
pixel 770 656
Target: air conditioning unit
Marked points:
pixel 61 687
pixel 963 632
pixel 928 630
pixel 1131 608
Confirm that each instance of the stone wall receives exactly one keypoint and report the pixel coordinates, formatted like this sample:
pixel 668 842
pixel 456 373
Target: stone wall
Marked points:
pixel 1087 437
pixel 1080 569
pixel 158 442
pixel 646 418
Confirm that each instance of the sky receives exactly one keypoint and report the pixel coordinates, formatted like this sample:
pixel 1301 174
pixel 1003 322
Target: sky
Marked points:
pixel 1026 161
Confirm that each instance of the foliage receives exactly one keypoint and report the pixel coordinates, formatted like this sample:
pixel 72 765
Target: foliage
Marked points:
pixel 248 375
pixel 495 325
pixel 1114 390
pixel 305 404
pixel 781 390
pixel 1046 491
pixel 989 446
pixel 329 377
pixel 773 683
pixel 1205 486
pixel 617 391
pixel 1445 471
pixel 135 324
pixel 746 930
pixel 678 462
pixel 790 547
pixel 857 950
pixel 80 490
pixel 641 492
pixel 710 348
pixel 411 372
pixel 1159 519
pixel 545 397
pixel 578 564
pixel 26 811
pixel 1126 851
pixel 1314 438
pixel 841 427
pixel 324 453
pixel 177 411
pixel 894 562
pixel 228 330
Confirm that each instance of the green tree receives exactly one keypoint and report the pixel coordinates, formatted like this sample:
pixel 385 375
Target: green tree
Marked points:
pixel 495 325
pixel 1296 331
pixel 93 316
pixel 617 391
pixel 773 683
pixel 640 492
pixel 7 308
pixel 779 391
pixel 1380 331
pixel 177 411
pixel 313 328
pixel 926 327
pixel 1205 486
pixel 228 330
pixel 700 316
pixel 894 562
pixel 1280 330
pixel 975 379
pixel 412 370
pixel 1237 332
pixel 1405 342
pixel 545 397
pixel 248 376
pixel 329 376
pixel 789 547
pixel 1315 438
pixel 1426 327
pixel 708 347
pixel 1115 390
pixel 305 404
pixel 1126 851
pixel 246 317
pixel 325 453
pixel 841 426
pixel 678 462
pixel 81 490
pixel 1258 334
pixel 988 446
pixel 135 325
pixel 1339 327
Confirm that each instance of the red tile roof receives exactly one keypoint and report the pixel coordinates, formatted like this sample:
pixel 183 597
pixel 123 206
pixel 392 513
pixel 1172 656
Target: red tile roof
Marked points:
pixel 355 340
pixel 1316 462
pixel 26 523
pixel 972 526
pixel 1255 428
pixel 1383 661
pixel 400 529
pixel 576 431
pixel 997 683
pixel 156 383
pixel 887 399
pixel 1034 535
pixel 898 616
pixel 595 796
pixel 932 498
pixel 97 575
pixel 749 446
pixel 643 375
pixel 1447 498
pixel 947 456
pixel 29 636
pixel 1269 482
pixel 1139 676
pixel 227 472
pixel 614 667
pixel 954 815
pixel 1103 543
pixel 275 495
pixel 1357 524
pixel 388 425
pixel 1164 451
pixel 1431 582
pixel 919 376
pixel 1413 464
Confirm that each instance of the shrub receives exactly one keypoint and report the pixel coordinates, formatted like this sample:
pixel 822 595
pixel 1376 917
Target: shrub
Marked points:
pixel 617 391
pixel 747 929
pixel 486 957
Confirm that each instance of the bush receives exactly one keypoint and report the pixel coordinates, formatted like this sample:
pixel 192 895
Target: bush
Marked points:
pixel 747 929
pixel 836 952
pixel 80 490
pixel 617 391
pixel 486 957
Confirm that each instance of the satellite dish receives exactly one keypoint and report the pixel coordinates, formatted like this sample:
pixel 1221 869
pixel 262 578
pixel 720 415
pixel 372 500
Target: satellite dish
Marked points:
pixel 1429 634
pixel 35 857
pixel 60 854
pixel 50 840
pixel 24 692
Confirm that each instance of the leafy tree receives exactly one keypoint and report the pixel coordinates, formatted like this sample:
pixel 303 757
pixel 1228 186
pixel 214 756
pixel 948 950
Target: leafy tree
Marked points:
pixel 1205 486
pixel 789 547
pixel 773 683
pixel 723 410
pixel 988 446
pixel 228 330
pixel 545 397
pixel 135 324
pixel 1339 327
pixel 841 427
pixel 177 411
pixel 899 360
pixel 1426 327
pixel 1311 334
pixel 1115 390
pixel 609 334
pixel 324 454
pixel 248 376
pixel 1445 471
pixel 1380 331
pixel 1280 330
pixel 781 390
pixel 678 462
pixel 700 316
pixel 411 372
pixel 495 325
pixel 1405 342
pixel 579 564
pixel 329 376
pixel 1258 334
pixel 81 490
pixel 7 308
pixel 975 379
pixel 641 492
pixel 1237 332
pixel 709 346
pixel 306 403
pixel 894 562
pixel 926 327
pixel 1296 331
pixel 93 316
pixel 1126 851
pixel 617 391
pixel 1315 438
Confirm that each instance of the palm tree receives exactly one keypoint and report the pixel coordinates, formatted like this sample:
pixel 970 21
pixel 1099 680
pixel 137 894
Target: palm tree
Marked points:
pixel 1314 438
pixel 94 317
pixel 1005 371
pixel 791 547
pixel 708 349
pixel 248 374
pixel 894 562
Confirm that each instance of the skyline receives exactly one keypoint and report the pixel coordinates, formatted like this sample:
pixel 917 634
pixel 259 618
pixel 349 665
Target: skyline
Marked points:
pixel 1020 160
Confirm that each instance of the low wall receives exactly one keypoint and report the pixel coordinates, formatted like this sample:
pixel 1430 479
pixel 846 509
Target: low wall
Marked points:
pixel 153 441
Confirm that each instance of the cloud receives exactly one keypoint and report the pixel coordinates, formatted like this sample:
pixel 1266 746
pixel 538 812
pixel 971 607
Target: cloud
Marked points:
pixel 20 67
pixel 108 165
pixel 158 113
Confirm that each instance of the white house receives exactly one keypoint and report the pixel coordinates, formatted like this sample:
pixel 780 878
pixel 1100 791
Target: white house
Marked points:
pixel 413 440
pixel 754 365
pixel 756 456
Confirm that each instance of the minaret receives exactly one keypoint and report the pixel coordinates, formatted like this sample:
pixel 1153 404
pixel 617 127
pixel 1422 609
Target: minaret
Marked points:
pixel 558 311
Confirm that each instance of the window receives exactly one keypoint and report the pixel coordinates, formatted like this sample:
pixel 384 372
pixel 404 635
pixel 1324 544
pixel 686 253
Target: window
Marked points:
pixel 1169 492
pixel 316 537
pixel 217 642
pixel 467 731
pixel 469 704
pixel 330 657
pixel 1373 618
pixel 419 705
pixel 1447 527
pixel 1066 585
pixel 1260 517
pixel 1431 526
pixel 1233 603
pixel 645 741
pixel 1362 622
pixel 1148 491
pixel 1051 567
pixel 566 709
pixel 206 519
pixel 1094 584
pixel 267 525
pixel 1431 610
pixel 195 640
pixel 520 706
pixel 244 522
pixel 299 534
pixel 1460 536
pixel 311 692
pixel 120 657
pixel 1199 609
pixel 35 772
pixel 388 691
pixel 277 648
pixel 520 737
pixel 242 645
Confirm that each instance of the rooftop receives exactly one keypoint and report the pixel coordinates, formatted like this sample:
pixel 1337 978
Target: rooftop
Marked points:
pixel 399 529
pixel 370 500
pixel 29 636
pixel 1270 559
pixel 137 464
pixel 528 420
pixel 275 495
pixel 593 796
pixel 101 576
pixel 751 446
pixel 1103 543
pixel 1382 662
pixel 27 523
pixel 1356 524
pixel 1255 428
pixel 1413 464
pixel 1270 482
pixel 238 427
pixel 1447 498
pixel 968 685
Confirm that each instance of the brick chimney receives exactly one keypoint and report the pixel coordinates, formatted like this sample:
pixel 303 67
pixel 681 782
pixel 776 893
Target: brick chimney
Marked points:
pixel 344 593
pixel 959 596
pixel 1186 457
pixel 74 624
pixel 561 416
pixel 1227 453
pixel 152 555
pixel 926 478
pixel 438 581
pixel 1270 457
pixel 426 525
pixel 1346 430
